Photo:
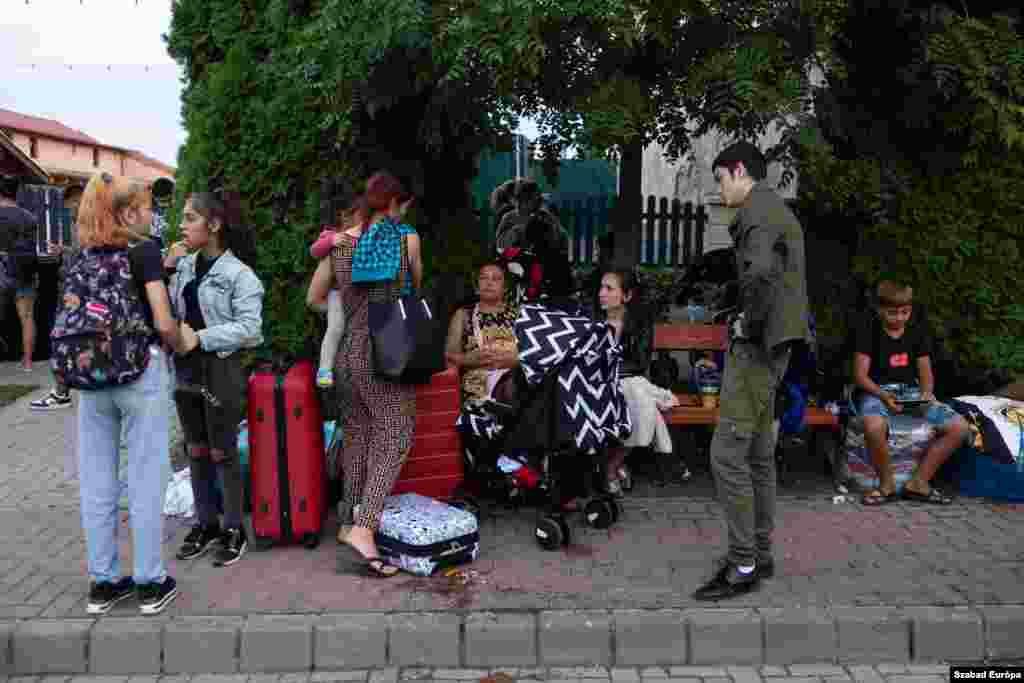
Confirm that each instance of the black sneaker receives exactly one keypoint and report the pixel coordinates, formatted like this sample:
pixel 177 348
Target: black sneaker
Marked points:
pixel 52 401
pixel 154 597
pixel 234 546
pixel 727 583
pixel 104 595
pixel 198 541
pixel 765 569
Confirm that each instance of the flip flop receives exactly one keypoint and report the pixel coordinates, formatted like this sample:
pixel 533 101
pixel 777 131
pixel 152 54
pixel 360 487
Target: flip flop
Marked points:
pixel 934 496
pixel 368 566
pixel 876 497
pixel 380 568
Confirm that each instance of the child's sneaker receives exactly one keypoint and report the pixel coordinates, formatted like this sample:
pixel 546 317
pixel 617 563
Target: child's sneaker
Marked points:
pixel 234 546
pixel 52 401
pixel 154 597
pixel 325 378
pixel 104 595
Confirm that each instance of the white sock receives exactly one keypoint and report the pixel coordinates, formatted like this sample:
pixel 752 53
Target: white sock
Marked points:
pixel 746 570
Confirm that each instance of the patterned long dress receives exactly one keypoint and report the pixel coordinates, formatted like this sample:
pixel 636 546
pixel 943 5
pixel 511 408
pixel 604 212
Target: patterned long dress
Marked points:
pixel 378 415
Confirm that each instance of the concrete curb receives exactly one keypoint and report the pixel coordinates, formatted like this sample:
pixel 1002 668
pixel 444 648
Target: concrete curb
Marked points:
pixel 558 638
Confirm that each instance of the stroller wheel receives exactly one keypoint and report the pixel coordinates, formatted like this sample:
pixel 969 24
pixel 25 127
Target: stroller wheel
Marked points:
pixel 549 534
pixel 616 508
pixel 599 513
pixel 566 533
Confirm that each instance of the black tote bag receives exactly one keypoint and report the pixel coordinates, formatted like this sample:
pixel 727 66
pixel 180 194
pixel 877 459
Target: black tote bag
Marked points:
pixel 407 338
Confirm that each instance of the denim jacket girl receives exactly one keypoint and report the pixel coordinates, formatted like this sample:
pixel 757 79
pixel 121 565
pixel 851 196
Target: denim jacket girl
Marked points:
pixel 231 301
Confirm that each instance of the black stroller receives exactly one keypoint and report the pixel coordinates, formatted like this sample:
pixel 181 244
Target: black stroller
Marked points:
pixel 553 416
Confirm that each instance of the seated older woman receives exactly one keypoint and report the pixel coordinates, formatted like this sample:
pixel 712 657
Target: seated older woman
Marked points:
pixel 482 336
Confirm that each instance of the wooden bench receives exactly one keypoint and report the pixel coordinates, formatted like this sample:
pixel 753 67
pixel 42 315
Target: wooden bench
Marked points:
pixel 692 413
pixel 700 337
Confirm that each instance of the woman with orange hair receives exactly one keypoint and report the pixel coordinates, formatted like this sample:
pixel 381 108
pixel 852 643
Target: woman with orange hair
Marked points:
pixel 106 342
pixel 378 415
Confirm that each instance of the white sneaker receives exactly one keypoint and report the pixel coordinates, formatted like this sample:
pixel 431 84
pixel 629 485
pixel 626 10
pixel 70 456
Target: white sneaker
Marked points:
pixel 52 401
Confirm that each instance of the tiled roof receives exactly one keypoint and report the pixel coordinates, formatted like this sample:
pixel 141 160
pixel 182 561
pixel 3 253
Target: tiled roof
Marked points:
pixel 54 129
pixel 24 123
pixel 7 146
pixel 155 163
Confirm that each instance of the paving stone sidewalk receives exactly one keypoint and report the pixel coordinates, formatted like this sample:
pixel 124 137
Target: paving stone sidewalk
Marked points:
pixel 898 583
pixel 885 673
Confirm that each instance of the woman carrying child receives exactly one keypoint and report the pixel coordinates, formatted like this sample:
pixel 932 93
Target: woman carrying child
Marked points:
pixel 374 254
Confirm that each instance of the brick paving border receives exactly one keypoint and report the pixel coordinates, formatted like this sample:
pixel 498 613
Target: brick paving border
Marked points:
pixel 687 643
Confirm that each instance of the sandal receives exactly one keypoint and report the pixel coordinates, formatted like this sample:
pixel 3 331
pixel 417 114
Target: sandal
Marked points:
pixel 380 568
pixel 367 566
pixel 876 497
pixel 934 496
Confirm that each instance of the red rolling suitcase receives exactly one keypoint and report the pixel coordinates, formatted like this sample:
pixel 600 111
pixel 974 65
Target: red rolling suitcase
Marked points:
pixel 286 454
pixel 435 464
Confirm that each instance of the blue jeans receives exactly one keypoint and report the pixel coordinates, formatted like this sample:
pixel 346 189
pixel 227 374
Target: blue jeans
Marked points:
pixel 937 414
pixel 141 408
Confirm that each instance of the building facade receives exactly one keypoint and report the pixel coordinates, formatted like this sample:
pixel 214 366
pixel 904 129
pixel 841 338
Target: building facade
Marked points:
pixel 691 179
pixel 70 156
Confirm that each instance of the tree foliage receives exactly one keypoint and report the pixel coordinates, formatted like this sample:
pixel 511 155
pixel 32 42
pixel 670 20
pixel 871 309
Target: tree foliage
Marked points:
pixel 293 103
pixel 901 158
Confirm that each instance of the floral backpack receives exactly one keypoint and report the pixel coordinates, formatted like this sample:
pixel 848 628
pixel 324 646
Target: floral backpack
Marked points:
pixel 101 335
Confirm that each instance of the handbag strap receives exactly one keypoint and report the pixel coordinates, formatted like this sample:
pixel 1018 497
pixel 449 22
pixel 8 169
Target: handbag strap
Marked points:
pixel 403 257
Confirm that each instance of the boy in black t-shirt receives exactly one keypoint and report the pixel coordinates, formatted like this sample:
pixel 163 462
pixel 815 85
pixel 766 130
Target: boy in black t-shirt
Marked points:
pixel 892 362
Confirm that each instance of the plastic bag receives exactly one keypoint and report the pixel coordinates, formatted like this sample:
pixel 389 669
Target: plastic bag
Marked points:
pixel 179 501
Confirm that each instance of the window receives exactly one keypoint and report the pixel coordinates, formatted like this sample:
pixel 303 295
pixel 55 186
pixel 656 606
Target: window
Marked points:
pixel 33 148
pixel 95 156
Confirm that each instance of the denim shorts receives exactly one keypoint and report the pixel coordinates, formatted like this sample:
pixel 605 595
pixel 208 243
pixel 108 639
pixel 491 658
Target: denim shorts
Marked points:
pixel 25 292
pixel 937 414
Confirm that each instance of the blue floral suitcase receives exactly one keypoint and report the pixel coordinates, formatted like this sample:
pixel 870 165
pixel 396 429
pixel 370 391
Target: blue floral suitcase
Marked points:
pixel 422 535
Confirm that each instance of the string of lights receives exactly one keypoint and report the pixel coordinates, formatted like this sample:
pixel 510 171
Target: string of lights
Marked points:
pixel 61 66
pixel 81 2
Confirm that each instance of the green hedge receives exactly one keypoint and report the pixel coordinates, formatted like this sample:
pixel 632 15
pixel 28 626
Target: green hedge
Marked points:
pixel 958 240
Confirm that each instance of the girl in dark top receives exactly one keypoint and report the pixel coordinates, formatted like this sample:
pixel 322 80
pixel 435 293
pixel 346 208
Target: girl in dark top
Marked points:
pixel 219 300
pixel 618 301
pixel 114 214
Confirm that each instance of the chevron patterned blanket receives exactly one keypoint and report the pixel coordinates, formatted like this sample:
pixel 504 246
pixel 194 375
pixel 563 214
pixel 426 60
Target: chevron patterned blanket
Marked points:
pixel 584 355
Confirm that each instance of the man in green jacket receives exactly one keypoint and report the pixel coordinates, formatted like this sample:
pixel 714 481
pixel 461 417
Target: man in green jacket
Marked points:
pixel 772 315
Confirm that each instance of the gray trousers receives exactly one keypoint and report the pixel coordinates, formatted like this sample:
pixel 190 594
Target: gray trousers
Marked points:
pixel 743 448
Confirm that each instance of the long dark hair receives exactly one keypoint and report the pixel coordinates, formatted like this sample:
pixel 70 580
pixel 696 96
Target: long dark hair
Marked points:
pixel 629 282
pixel 226 207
